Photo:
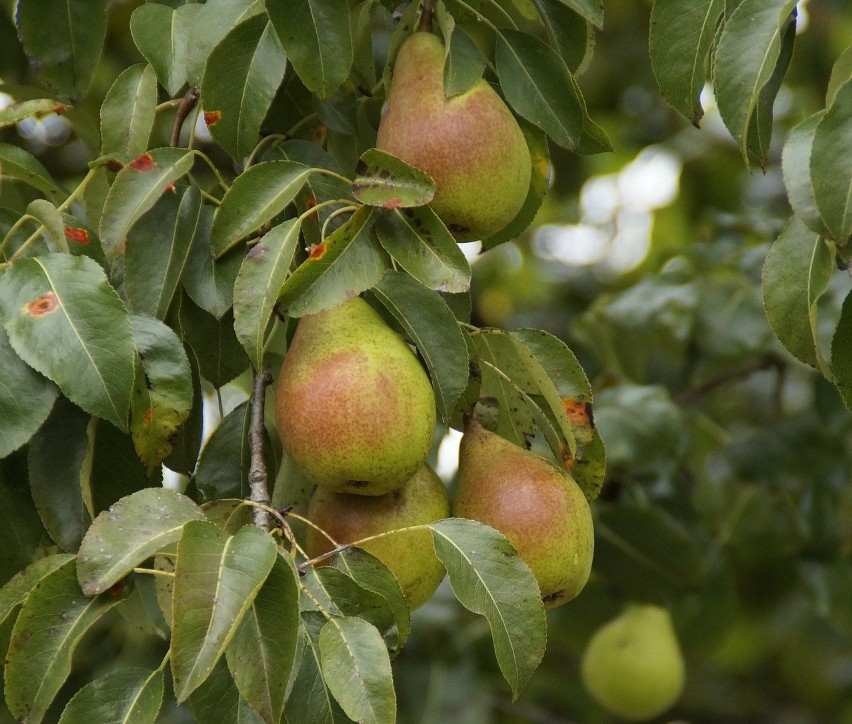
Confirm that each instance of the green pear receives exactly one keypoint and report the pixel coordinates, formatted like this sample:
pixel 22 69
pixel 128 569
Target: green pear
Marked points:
pixel 535 504
pixel 409 555
pixel 633 666
pixel 354 407
pixel 470 144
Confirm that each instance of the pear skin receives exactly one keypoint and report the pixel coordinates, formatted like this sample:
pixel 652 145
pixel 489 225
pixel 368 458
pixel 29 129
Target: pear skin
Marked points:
pixel 354 407
pixel 633 666
pixel 410 555
pixel 470 144
pixel 535 504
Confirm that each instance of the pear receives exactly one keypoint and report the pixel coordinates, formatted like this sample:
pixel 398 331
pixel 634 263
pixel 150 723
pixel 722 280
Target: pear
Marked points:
pixel 354 407
pixel 633 666
pixel 470 144
pixel 409 555
pixel 535 504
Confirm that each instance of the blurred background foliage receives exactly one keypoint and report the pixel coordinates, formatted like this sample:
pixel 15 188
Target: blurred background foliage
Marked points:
pixel 728 496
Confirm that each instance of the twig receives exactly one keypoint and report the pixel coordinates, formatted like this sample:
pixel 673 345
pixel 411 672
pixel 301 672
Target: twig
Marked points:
pixel 257 471
pixel 733 374
pixel 426 12
pixel 184 109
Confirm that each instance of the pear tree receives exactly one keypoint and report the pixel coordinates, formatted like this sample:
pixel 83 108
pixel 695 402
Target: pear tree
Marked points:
pixel 233 334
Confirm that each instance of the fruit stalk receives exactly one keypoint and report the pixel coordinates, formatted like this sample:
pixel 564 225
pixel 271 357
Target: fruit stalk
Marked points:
pixel 258 488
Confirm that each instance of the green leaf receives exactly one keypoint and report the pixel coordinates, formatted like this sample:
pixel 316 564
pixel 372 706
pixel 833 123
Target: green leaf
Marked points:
pixel 161 34
pixel 209 282
pixel 136 189
pixel 746 56
pixel 17 163
pixel 49 217
pixel 568 33
pixel 371 574
pixel 432 327
pixel 15 591
pixel 682 32
pixel 218 700
pixel 240 80
pixel 384 180
pixel 21 532
pixel 357 670
pixel 262 274
pixel 317 38
pixel 25 399
pixel 53 619
pixel 363 55
pixel 82 241
pixel 216 580
pixel 125 696
pixel 489 578
pixel 132 530
pixel 263 651
pixel 420 243
pixel 21 110
pixel 841 352
pixel 831 167
pixel 212 23
pixel 187 440
pixel 796 163
pixel 539 183
pixel 127 113
pixel 592 10
pixel 66 321
pixel 539 86
pixel 223 467
pixel 256 197
pixel 219 353
pixel 20 234
pixel 464 63
pixel 158 250
pixel 796 273
pixel 346 263
pixel 63 40
pixel 162 393
pixel 840 74
pixel 59 462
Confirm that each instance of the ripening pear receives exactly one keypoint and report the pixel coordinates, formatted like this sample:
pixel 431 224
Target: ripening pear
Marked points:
pixel 535 504
pixel 409 555
pixel 633 666
pixel 470 144
pixel 354 407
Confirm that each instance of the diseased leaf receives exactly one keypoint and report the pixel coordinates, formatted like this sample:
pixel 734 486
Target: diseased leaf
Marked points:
pixel 433 329
pixel 125 696
pixel 489 578
pixel 21 110
pixel 262 274
pixel 132 530
pixel 66 321
pixel 216 580
pixel 242 75
pixel 51 623
pixel 357 670
pixel 317 38
pixel 386 181
pixel 136 189
pixel 25 399
pixel 127 113
pixel 162 393
pixel 256 197
pixel 682 32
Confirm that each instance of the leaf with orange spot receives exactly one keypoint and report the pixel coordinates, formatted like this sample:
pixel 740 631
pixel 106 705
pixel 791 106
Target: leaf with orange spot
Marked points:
pixel 78 236
pixel 386 181
pixel 211 118
pixel 144 162
pixel 42 305
pixel 17 112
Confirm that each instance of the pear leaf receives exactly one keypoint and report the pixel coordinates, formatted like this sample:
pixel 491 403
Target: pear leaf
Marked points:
pixel 841 352
pixel 219 700
pixel 796 165
pixel 125 696
pixel 15 590
pixel 127 113
pixel 489 578
pixel 382 179
pixel 830 163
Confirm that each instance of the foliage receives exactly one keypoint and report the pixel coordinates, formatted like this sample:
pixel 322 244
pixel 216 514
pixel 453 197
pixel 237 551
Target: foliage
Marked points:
pixel 145 267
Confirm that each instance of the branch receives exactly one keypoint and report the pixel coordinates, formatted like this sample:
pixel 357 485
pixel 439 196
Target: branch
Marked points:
pixel 733 374
pixel 257 470
pixel 184 109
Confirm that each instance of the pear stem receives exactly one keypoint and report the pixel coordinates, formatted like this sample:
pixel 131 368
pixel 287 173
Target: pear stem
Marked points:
pixel 257 470
pixel 426 11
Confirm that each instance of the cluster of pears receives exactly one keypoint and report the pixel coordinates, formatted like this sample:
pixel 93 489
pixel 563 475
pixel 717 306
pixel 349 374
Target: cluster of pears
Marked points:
pixel 356 413
pixel 470 144
pixel 633 665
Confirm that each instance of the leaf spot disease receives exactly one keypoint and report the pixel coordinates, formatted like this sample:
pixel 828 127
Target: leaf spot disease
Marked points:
pixel 149 415
pixel 211 118
pixel 42 305
pixel 143 163
pixel 317 251
pixel 80 236
pixel 393 203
